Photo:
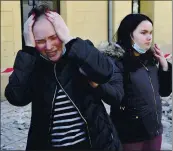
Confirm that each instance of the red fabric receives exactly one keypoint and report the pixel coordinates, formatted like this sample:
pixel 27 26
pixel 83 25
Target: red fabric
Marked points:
pixel 166 55
pixel 7 70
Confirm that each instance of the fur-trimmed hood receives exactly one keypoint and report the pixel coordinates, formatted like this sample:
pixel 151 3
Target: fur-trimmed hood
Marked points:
pixel 111 49
pixel 131 62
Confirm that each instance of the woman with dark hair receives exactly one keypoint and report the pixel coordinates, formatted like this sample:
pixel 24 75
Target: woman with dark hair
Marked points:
pixel 147 76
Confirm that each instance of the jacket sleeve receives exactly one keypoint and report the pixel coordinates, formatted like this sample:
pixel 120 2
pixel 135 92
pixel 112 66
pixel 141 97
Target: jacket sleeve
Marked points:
pixel 97 66
pixel 112 92
pixel 165 81
pixel 18 89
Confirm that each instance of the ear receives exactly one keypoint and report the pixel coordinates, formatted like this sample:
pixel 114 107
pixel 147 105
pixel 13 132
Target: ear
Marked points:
pixel 131 36
pixel 132 40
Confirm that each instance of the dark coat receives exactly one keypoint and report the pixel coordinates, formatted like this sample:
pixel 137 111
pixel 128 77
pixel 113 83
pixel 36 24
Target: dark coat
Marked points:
pixel 139 116
pixel 36 80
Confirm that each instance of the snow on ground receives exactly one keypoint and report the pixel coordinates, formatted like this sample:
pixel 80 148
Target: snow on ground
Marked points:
pixel 167 123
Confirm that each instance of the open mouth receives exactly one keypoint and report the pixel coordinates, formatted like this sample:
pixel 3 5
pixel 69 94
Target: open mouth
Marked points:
pixel 51 54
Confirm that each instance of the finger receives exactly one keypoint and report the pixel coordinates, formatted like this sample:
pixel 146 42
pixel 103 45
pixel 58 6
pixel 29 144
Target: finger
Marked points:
pixel 50 15
pixel 157 47
pixel 161 53
pixel 31 18
pixel 50 19
pixel 55 14
pixel 31 24
pixel 157 51
pixel 157 56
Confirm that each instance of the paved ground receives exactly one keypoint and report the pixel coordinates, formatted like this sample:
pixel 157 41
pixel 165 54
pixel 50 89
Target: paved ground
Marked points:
pixel 15 123
pixel 14 126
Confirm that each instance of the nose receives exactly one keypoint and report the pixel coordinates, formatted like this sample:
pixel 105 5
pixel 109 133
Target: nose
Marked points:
pixel 149 37
pixel 48 45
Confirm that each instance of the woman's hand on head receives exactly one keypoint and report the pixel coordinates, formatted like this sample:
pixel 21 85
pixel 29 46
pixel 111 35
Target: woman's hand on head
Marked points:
pixel 60 26
pixel 27 32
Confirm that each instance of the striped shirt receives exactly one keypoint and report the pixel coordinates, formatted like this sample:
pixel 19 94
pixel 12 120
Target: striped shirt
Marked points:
pixel 67 126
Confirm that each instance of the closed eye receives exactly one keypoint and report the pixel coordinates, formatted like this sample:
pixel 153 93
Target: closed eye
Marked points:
pixel 40 41
pixel 53 37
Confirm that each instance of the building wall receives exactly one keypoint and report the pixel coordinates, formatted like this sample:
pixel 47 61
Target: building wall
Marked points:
pixel 10 37
pixel 163 25
pixel 89 19
pixel 10 32
pixel 86 19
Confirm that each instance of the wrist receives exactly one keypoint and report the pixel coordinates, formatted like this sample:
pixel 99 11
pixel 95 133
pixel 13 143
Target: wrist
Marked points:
pixel 165 68
pixel 29 45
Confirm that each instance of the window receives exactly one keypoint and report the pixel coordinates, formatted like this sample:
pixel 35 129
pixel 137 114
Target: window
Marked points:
pixel 135 6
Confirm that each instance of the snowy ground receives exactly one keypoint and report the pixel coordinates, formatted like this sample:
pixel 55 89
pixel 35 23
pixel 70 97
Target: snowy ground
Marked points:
pixel 15 124
pixel 167 123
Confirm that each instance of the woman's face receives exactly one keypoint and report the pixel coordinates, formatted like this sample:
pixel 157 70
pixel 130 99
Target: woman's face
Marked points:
pixel 46 39
pixel 142 35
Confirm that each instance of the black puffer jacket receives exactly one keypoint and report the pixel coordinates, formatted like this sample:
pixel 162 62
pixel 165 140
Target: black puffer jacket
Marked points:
pixel 35 80
pixel 139 116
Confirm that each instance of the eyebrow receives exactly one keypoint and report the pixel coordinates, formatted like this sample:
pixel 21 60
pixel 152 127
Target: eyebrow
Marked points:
pixel 53 36
pixel 39 39
pixel 146 30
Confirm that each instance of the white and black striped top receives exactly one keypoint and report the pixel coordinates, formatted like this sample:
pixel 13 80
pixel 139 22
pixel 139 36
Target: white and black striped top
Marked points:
pixel 67 125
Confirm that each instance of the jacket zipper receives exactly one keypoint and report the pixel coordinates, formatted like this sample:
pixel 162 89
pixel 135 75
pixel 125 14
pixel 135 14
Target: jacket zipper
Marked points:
pixel 50 125
pixel 152 89
pixel 74 105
